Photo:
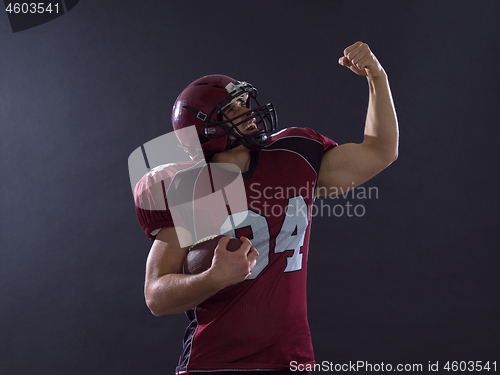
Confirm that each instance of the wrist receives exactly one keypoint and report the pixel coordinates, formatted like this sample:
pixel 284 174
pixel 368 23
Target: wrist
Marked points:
pixel 213 280
pixel 380 76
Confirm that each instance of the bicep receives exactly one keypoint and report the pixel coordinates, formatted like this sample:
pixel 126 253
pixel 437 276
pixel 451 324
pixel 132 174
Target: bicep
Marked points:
pixel 347 166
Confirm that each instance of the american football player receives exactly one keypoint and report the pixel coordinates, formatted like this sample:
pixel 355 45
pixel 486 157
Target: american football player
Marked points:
pixel 261 324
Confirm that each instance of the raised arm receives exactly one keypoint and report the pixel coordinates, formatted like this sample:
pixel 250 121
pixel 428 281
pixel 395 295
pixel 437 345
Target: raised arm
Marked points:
pixel 168 291
pixel 349 165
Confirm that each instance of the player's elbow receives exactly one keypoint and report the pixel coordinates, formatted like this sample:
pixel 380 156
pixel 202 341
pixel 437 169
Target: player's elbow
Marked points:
pixel 159 304
pixel 153 305
pixel 160 308
pixel 392 158
pixel 381 154
pixel 395 155
pixel 154 308
pixel 387 158
pixel 154 302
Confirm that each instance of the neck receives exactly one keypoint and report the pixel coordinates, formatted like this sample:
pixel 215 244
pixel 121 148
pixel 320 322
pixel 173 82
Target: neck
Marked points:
pixel 239 156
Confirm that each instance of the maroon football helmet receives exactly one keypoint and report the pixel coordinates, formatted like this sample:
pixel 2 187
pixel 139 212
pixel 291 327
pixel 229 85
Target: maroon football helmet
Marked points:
pixel 201 104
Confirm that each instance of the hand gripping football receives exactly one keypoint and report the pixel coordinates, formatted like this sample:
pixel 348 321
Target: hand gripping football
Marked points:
pixel 200 255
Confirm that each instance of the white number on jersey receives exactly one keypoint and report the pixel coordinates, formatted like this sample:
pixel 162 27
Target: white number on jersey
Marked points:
pixel 292 233
pixel 290 237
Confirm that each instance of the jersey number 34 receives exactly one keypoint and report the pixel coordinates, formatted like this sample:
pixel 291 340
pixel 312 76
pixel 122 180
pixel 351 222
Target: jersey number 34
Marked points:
pixel 290 237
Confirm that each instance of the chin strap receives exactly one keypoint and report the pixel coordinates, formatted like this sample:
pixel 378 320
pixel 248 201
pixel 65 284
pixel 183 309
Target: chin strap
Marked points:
pixel 202 116
pixel 232 143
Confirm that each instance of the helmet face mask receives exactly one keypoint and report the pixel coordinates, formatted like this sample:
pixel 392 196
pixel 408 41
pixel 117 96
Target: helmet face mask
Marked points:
pixel 203 104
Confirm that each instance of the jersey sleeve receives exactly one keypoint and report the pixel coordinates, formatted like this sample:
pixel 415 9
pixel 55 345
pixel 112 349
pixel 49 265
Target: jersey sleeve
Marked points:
pixel 150 201
pixel 325 141
pixel 307 133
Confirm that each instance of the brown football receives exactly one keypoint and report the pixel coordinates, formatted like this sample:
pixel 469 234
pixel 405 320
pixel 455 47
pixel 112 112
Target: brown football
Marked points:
pixel 200 255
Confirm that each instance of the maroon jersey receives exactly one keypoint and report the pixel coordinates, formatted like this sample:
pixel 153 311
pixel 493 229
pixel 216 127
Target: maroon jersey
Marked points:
pixel 261 324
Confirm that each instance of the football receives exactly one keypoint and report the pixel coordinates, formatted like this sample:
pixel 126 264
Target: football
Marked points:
pixel 200 255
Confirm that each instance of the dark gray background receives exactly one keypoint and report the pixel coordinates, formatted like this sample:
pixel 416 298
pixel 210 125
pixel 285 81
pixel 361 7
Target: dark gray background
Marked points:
pixel 414 280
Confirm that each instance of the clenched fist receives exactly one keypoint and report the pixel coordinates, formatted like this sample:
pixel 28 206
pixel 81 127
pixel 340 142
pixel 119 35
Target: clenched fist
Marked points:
pixel 361 60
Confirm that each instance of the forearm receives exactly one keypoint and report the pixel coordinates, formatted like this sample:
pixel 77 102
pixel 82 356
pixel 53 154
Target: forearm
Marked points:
pixel 168 291
pixel 381 127
pixel 175 293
